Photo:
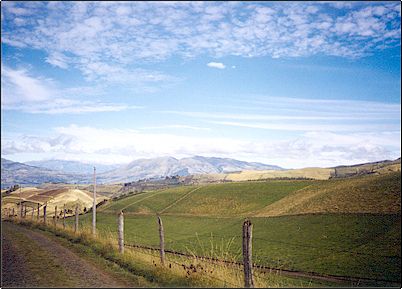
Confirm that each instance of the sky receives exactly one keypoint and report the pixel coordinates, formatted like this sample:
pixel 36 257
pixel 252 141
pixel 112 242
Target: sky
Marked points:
pixel 293 84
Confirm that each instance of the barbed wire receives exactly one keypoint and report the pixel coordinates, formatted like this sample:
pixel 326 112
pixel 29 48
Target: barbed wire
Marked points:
pixel 179 264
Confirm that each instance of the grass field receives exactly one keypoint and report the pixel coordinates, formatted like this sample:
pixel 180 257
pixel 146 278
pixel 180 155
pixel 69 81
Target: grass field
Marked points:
pixel 359 239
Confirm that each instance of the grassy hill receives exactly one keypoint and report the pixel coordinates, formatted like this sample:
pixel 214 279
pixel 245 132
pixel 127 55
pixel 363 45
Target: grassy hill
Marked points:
pixel 365 194
pixel 228 199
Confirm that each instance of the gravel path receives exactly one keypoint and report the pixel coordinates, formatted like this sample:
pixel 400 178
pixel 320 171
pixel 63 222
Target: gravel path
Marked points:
pixel 82 272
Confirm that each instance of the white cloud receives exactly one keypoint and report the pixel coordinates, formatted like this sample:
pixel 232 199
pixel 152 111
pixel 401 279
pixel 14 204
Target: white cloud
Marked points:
pixel 57 59
pixel 317 148
pixel 21 91
pixel 218 65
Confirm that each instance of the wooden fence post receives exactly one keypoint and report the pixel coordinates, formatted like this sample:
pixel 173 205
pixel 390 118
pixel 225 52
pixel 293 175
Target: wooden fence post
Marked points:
pixel 44 213
pixel 64 216
pixel 120 231
pixel 21 209
pixel 25 211
pixel 13 213
pixel 55 216
pixel 38 211
pixel 76 219
pixel 247 250
pixel 161 240
pixel 94 206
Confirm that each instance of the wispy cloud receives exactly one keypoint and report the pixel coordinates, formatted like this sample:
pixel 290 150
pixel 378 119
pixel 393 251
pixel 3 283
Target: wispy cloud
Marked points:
pixel 175 126
pixel 309 127
pixel 118 145
pixel 21 91
pixel 218 65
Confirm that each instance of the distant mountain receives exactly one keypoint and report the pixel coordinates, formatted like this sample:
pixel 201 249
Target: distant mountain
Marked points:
pixel 72 167
pixel 19 173
pixel 169 166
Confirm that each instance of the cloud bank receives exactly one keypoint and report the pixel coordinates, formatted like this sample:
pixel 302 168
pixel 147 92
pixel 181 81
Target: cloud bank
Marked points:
pixel 121 146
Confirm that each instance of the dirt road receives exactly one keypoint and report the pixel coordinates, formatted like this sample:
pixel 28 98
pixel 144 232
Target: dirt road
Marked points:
pixel 32 259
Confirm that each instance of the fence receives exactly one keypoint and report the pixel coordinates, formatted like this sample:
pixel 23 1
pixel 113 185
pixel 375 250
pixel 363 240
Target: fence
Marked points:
pixel 247 265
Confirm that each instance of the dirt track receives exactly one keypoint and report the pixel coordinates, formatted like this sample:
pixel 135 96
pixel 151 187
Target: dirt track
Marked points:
pixel 66 266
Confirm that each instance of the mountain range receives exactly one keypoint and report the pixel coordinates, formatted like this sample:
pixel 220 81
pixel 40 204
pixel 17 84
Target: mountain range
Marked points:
pixel 71 167
pixel 23 174
pixel 59 171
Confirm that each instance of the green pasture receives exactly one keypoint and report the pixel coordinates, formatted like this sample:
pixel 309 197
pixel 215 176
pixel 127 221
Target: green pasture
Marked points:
pixel 357 245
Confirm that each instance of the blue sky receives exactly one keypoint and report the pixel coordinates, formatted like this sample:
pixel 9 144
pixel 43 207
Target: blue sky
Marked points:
pixel 294 84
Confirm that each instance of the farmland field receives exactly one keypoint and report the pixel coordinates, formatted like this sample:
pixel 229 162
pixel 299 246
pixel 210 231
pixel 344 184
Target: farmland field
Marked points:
pixel 360 242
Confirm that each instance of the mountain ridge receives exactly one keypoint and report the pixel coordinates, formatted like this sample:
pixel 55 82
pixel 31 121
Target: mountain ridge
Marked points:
pixel 36 172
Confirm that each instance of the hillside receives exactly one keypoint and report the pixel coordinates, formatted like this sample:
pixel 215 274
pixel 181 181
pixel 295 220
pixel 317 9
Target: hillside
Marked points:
pixel 377 194
pixel 367 168
pixel 32 196
pixel 360 194
pixel 229 199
